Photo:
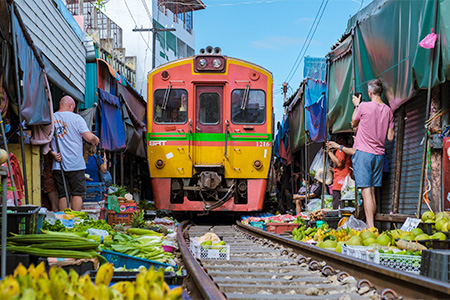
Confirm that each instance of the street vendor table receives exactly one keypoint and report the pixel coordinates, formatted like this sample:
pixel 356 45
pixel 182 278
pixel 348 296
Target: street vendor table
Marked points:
pixel 4 176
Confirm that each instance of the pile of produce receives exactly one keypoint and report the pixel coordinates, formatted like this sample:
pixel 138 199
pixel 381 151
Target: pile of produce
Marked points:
pixel 316 215
pixel 35 283
pixel 141 243
pixel 81 227
pixel 331 239
pixel 439 222
pixel 53 244
pixel 275 219
pixel 211 241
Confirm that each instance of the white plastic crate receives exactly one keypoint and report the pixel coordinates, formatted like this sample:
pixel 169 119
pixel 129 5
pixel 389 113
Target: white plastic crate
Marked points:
pixel 361 252
pixel 220 252
pixel 407 263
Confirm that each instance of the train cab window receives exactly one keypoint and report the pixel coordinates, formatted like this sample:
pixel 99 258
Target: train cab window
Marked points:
pixel 209 108
pixel 170 106
pixel 248 106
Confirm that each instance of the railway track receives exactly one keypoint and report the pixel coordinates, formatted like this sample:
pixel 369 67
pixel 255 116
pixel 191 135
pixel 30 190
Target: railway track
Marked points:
pixel 263 265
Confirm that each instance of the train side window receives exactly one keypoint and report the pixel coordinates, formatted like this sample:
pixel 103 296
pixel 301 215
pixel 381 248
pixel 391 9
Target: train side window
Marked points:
pixel 209 108
pixel 253 111
pixel 170 106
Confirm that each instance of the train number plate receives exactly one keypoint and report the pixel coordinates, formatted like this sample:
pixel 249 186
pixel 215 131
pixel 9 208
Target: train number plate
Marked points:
pixel 263 144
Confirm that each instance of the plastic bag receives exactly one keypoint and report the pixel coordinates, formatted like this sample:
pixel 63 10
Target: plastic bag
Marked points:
pixel 316 168
pixel 429 41
pixel 348 188
pixel 314 205
pixel 354 223
pixel 97 232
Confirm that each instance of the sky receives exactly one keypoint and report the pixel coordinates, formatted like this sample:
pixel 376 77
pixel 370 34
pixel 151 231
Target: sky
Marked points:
pixel 271 33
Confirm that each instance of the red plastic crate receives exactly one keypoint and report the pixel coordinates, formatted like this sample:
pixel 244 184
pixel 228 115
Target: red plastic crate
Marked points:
pixel 121 218
pixel 281 227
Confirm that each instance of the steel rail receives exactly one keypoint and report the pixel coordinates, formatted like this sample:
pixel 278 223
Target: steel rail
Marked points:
pixel 407 285
pixel 203 281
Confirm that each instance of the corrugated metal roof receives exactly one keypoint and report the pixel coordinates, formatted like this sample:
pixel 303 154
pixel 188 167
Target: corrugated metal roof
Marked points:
pixel 177 6
pixel 52 34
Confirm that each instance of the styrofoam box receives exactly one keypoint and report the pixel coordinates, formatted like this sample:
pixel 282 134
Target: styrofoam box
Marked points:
pixel 94 205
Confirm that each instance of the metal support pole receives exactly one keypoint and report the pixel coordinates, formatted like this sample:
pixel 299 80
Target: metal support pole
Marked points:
pixel 425 143
pixel 16 66
pixel 322 198
pixel 398 160
pixel 4 176
pixel 306 169
pixel 114 167
pixel 121 169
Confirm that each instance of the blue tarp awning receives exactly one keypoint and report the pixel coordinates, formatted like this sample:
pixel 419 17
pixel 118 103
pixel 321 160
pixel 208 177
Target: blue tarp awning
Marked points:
pixel 315 103
pixel 112 136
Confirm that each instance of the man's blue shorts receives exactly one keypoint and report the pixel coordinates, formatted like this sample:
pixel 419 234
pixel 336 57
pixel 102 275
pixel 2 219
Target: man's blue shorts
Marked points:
pixel 368 169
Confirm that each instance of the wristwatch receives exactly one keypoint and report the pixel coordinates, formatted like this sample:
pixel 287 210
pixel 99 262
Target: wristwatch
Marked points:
pixel 341 147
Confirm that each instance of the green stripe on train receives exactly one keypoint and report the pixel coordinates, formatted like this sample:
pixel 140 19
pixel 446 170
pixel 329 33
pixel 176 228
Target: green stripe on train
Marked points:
pixel 209 137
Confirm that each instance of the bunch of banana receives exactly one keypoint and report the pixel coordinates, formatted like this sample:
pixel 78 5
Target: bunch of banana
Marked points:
pixel 308 234
pixel 149 284
pixel 299 233
pixel 342 234
pixel 323 232
pixel 35 283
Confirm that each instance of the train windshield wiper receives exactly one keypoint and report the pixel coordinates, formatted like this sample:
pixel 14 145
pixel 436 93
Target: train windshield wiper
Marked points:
pixel 245 98
pixel 166 97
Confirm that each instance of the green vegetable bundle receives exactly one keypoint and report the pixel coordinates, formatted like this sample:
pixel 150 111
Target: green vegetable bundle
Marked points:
pixel 143 246
pixel 53 244
pixel 82 227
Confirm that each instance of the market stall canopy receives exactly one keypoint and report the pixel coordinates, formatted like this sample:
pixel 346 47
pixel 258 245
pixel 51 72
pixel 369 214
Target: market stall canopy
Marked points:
pixel 35 109
pixel 136 125
pixel 339 102
pixel 386 46
pixel 297 120
pixel 315 70
pixel 112 135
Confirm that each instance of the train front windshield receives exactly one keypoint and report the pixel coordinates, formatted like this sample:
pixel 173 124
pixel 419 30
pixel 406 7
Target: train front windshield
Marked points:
pixel 170 106
pixel 248 106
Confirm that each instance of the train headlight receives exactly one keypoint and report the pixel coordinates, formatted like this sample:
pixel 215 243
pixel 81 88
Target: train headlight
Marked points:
pixel 159 163
pixel 216 63
pixel 202 63
pixel 257 164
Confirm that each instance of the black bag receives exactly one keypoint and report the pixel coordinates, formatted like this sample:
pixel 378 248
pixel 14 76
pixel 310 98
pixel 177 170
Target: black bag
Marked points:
pixel 106 178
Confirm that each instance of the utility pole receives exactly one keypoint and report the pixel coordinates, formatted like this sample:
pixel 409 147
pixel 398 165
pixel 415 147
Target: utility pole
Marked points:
pixel 154 31
pixel 285 88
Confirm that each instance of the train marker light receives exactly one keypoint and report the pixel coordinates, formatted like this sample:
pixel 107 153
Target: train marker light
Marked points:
pixel 257 164
pixel 159 163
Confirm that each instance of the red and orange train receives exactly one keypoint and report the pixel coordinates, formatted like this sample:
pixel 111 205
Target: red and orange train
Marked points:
pixel 210 130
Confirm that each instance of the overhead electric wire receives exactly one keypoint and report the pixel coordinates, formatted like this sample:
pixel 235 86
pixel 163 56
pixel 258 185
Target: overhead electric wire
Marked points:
pixel 140 33
pixel 308 40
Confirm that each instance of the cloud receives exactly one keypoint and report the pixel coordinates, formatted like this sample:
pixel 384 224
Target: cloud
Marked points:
pixel 303 20
pixel 281 42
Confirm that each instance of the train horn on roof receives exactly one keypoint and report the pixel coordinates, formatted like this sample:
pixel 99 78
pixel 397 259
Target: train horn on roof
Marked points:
pixel 202 51
pixel 217 50
pixel 209 50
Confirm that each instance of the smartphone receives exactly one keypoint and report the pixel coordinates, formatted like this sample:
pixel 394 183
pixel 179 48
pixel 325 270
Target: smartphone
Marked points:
pixel 358 94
